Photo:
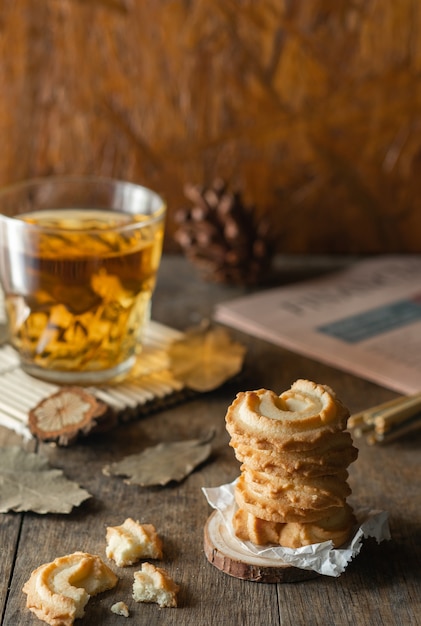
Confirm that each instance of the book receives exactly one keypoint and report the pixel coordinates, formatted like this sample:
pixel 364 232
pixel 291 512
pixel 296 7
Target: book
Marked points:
pixel 364 319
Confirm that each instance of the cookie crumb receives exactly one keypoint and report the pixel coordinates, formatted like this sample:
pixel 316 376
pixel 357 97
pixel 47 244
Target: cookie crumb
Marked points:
pixel 120 608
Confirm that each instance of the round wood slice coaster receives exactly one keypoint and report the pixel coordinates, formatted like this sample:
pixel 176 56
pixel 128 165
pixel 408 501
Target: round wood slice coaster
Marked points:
pixel 228 556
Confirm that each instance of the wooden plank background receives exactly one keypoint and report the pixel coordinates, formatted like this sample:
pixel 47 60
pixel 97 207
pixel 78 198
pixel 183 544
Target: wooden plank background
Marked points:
pixel 310 109
pixel 379 588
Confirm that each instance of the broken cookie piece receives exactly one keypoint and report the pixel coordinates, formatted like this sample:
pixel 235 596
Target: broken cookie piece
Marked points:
pixel 58 592
pixel 132 541
pixel 153 584
pixel 120 608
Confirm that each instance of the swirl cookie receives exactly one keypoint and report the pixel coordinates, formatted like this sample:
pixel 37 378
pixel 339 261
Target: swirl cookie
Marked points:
pixel 297 419
pixel 308 506
pixel 329 458
pixel 330 490
pixel 294 451
pixel 335 527
pixel 58 592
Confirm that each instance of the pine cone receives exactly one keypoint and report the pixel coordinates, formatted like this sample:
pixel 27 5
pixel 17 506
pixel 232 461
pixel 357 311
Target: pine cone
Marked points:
pixel 222 237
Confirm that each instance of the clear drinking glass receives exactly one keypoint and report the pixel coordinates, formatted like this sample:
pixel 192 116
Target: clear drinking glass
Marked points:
pixel 78 264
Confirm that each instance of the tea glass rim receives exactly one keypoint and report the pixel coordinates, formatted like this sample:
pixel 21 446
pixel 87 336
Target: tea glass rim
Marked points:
pixel 31 183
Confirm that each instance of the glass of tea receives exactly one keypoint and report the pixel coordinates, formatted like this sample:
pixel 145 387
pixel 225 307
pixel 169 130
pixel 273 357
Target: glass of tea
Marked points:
pixel 78 264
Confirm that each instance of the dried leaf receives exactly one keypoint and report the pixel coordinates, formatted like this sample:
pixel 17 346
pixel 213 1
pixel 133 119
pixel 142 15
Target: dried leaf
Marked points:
pixel 28 483
pixel 163 463
pixel 206 358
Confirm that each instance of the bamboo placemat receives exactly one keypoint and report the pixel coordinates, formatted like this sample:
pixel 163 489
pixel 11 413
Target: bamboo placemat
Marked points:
pixel 150 386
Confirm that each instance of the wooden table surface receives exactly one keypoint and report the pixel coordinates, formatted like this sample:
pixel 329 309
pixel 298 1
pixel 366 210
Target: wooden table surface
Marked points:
pixel 380 587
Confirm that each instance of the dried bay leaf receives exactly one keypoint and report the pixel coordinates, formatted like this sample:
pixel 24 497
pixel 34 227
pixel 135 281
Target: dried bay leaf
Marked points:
pixel 162 464
pixel 206 358
pixel 29 483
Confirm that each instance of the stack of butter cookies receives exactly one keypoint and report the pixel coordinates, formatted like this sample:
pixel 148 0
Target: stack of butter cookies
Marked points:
pixel 295 451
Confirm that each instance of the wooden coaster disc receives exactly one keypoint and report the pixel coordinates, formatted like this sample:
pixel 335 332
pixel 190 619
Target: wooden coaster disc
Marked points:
pixel 228 556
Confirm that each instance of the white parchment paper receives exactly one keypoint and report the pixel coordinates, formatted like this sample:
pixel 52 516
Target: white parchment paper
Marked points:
pixel 319 557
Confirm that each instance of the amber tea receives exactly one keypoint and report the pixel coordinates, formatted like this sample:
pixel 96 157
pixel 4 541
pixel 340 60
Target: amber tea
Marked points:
pixel 79 288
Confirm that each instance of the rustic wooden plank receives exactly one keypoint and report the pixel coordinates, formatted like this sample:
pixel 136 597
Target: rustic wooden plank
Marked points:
pixel 178 512
pixel 304 108
pixel 381 586
pixel 10 528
